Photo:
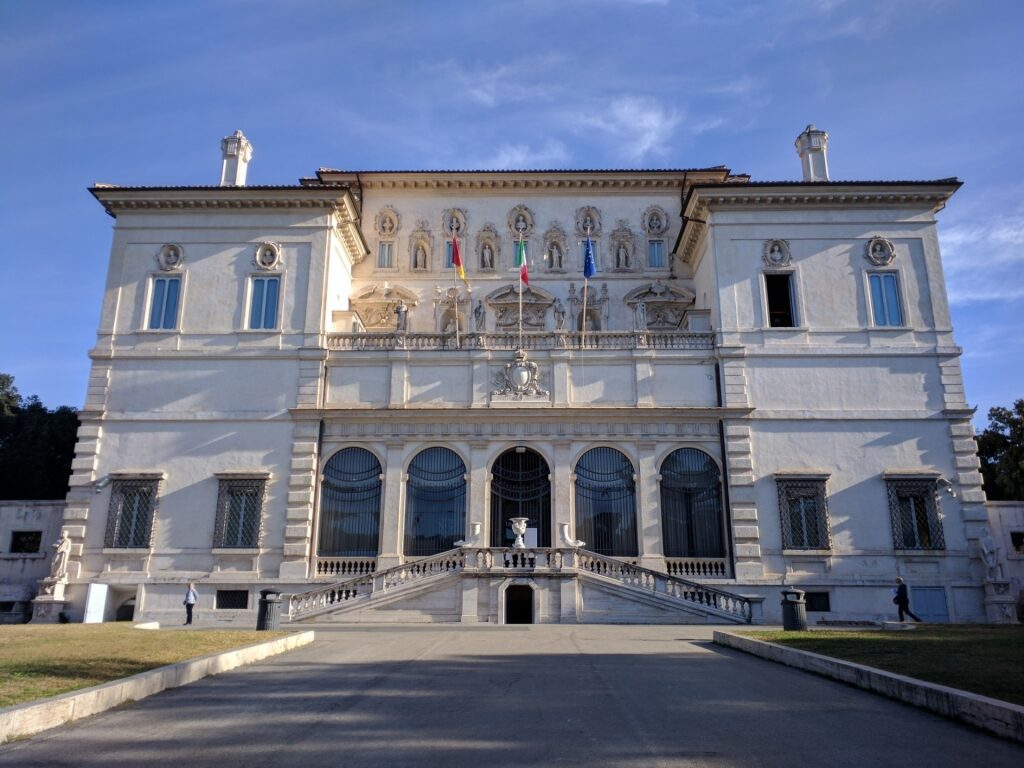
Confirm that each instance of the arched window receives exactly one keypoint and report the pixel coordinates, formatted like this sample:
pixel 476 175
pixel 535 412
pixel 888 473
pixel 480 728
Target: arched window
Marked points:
pixel 606 503
pixel 350 505
pixel 691 505
pixel 435 506
pixel 520 488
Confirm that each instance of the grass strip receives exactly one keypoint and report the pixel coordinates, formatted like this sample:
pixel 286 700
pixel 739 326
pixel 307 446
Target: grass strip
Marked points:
pixel 46 660
pixel 982 659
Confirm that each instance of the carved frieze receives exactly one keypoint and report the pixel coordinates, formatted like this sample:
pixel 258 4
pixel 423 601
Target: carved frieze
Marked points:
pixel 879 251
pixel 387 222
pixel 588 221
pixel 520 222
pixel 377 305
pixel 504 304
pixel 421 247
pixel 451 309
pixel 623 247
pixel 488 248
pixel 775 253
pixel 402 431
pixel 658 306
pixel 596 304
pixel 556 248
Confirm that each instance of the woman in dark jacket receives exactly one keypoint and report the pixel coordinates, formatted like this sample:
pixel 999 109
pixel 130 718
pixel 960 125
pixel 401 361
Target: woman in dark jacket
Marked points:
pixel 902 600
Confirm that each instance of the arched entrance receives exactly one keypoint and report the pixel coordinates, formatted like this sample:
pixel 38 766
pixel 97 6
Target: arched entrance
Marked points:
pixel 520 487
pixel 519 604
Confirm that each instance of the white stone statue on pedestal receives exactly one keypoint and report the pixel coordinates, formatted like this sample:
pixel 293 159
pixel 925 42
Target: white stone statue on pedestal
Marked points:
pixel 989 555
pixel 61 553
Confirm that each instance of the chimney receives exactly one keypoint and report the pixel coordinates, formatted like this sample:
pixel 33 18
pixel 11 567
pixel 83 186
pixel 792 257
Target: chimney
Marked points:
pixel 235 154
pixel 812 146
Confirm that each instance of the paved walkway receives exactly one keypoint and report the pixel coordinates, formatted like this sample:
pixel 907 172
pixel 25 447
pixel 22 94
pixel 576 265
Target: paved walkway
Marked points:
pixel 527 697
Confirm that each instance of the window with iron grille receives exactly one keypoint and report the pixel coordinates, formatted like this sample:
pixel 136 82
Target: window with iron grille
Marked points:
pixel 239 509
pixel 804 512
pixel 130 517
pixel 915 514
pixel 232 599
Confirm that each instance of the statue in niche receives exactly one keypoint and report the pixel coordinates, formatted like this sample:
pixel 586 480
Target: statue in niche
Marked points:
pixel 640 316
pixel 387 225
pixel 559 311
pixel 588 224
pixel 420 257
pixel 622 257
pixel 521 225
pixel 480 316
pixel 487 257
pixel 61 553
pixel 556 256
pixel 401 316
pixel 654 223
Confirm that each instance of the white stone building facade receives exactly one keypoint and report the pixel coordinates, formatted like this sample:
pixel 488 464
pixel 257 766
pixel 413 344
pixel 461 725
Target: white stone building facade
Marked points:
pixel 759 388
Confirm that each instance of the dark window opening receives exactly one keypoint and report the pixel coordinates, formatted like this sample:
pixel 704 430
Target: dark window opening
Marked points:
pixel 1017 540
pixel 232 599
pixel 26 542
pixel 818 602
pixel 125 611
pixel 779 289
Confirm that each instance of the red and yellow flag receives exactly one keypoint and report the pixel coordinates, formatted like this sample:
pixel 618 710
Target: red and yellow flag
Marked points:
pixel 457 259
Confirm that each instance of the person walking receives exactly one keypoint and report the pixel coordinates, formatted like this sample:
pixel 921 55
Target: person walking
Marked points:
pixel 902 600
pixel 191 598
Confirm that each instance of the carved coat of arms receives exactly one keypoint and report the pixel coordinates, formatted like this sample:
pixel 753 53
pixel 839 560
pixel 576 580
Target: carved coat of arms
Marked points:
pixel 521 378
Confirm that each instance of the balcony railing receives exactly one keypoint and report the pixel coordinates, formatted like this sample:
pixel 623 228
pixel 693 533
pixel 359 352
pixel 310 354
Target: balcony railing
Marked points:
pixel 369 342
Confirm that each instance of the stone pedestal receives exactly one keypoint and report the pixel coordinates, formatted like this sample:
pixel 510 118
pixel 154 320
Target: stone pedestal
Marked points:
pixel 1000 607
pixel 47 607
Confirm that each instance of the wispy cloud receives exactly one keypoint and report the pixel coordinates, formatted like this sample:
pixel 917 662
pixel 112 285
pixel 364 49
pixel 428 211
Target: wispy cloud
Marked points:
pixel 641 126
pixel 552 154
pixel 524 80
pixel 984 259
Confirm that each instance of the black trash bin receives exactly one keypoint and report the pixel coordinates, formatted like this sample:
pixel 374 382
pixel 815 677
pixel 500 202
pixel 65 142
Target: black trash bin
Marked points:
pixel 269 616
pixel 794 610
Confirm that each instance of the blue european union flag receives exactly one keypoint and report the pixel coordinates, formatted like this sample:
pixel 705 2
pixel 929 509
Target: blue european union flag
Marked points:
pixel 589 265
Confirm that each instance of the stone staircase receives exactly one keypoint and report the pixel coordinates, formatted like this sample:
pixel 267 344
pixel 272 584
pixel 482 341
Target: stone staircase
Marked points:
pixel 626 580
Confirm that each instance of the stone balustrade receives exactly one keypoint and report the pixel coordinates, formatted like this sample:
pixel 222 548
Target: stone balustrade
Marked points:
pixel 697 567
pixel 339 568
pixel 369 342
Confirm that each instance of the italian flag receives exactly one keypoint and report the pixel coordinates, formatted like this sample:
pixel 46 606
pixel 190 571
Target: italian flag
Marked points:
pixel 524 275
pixel 457 259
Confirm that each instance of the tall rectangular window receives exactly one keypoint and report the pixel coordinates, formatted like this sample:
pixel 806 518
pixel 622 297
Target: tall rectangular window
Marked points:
pixel 655 253
pixel 885 299
pixel 263 306
pixel 448 254
pixel 804 513
pixel 163 304
pixel 239 510
pixel 130 516
pixel 779 292
pixel 385 251
pixel 915 515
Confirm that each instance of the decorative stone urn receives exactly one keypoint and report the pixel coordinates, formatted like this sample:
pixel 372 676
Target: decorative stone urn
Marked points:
pixel 519 528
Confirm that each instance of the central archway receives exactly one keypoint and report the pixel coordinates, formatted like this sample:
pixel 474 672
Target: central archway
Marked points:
pixel 520 487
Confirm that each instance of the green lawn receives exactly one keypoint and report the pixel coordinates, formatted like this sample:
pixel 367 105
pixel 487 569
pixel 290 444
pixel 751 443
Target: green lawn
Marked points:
pixel 45 660
pixel 988 660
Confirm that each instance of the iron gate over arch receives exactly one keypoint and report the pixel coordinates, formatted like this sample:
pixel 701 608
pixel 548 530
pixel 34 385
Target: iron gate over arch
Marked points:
pixel 520 487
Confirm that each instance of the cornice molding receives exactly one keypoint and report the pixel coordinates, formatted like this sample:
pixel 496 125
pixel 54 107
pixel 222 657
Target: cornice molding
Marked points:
pixel 527 181
pixel 119 199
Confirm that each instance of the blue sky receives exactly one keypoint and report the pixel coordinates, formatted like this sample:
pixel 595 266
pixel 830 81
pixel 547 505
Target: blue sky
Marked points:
pixel 141 93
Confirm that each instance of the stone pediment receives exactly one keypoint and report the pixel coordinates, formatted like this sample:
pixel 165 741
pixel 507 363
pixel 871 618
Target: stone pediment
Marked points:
pixel 659 306
pixel 504 303
pixel 376 305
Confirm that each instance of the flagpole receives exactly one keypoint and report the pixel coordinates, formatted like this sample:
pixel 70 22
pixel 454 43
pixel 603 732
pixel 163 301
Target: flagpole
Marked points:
pixel 522 254
pixel 455 283
pixel 586 282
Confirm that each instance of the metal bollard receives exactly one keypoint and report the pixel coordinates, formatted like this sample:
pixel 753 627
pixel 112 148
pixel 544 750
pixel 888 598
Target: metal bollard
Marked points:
pixel 794 610
pixel 269 616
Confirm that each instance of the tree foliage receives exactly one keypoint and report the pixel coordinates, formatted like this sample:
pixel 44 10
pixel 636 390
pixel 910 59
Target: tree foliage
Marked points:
pixel 36 445
pixel 1001 450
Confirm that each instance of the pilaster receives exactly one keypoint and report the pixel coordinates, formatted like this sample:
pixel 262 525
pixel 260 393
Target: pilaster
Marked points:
pixel 746 534
pixel 302 477
pixel 391 529
pixel 652 551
